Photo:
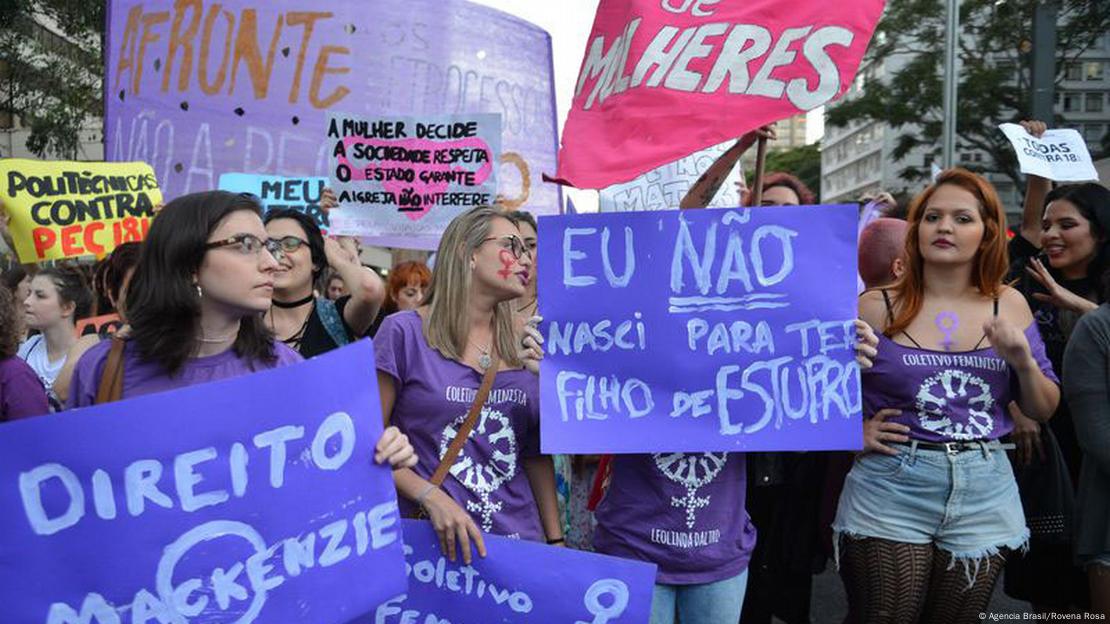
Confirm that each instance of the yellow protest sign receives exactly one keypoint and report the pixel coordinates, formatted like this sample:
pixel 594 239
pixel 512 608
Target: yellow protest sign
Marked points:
pixel 65 209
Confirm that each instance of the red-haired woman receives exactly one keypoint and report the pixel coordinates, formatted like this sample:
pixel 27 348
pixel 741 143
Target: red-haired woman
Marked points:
pixel 930 509
pixel 408 281
pixel 404 290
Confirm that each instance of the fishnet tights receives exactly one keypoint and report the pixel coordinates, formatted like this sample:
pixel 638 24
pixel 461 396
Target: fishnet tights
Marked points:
pixel 892 582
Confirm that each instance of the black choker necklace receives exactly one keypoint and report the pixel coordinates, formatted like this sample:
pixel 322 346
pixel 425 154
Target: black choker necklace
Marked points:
pixel 293 304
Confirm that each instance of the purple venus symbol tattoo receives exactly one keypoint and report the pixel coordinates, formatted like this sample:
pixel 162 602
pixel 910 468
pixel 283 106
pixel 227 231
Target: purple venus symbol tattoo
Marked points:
pixel 947 323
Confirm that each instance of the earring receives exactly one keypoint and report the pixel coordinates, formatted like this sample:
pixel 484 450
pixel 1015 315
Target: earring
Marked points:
pixel 200 293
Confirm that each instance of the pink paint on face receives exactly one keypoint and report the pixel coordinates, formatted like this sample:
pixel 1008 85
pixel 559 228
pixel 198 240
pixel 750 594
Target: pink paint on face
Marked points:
pixel 508 261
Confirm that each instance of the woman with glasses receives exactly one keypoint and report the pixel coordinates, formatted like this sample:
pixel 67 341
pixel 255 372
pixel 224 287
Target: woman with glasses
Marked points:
pixel 431 362
pixel 195 304
pixel 309 324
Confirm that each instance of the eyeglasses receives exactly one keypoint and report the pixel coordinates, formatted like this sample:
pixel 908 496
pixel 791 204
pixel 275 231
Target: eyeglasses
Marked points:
pixel 516 246
pixel 289 244
pixel 249 245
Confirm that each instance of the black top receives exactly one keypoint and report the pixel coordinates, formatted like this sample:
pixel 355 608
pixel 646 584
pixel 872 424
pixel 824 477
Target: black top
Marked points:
pixel 314 337
pixel 1055 326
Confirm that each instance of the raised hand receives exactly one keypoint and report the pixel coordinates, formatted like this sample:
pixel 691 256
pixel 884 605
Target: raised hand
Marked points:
pixel 1009 343
pixel 1057 295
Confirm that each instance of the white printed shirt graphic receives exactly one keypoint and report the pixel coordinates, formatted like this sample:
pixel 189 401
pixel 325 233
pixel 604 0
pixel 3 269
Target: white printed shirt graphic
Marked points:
pixel 937 393
pixel 483 478
pixel 692 471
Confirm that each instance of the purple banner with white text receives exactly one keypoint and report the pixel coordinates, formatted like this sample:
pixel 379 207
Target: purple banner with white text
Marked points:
pixel 199 88
pixel 705 330
pixel 517 582
pixel 254 499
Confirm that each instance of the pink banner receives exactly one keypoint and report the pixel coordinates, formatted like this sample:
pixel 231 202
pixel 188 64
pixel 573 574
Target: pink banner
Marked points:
pixel 662 79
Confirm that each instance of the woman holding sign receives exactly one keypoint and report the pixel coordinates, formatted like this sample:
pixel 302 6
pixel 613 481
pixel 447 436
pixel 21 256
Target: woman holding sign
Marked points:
pixel 194 308
pixel 930 509
pixel 453 377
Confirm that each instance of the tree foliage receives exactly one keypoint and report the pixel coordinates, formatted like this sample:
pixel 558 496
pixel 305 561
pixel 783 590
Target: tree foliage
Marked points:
pixel 802 162
pixel 995 82
pixel 51 70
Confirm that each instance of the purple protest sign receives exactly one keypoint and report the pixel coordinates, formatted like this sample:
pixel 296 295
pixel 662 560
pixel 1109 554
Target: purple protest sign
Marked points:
pixel 699 330
pixel 202 88
pixel 517 581
pixel 253 499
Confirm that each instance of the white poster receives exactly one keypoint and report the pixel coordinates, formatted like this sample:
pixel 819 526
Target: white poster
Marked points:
pixel 1059 155
pixel 663 188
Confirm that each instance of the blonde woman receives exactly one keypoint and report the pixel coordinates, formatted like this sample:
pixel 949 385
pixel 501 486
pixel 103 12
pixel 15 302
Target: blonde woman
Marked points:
pixel 431 362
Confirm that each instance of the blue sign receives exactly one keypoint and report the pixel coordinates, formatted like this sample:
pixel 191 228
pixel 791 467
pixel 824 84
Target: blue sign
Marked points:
pixel 517 581
pixel 700 330
pixel 254 499
pixel 277 192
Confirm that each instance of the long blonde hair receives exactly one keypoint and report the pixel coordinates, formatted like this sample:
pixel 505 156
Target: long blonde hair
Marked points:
pixel 448 324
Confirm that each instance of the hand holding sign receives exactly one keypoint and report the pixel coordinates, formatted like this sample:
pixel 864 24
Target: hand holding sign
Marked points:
pixel 1059 155
pixel 248 499
pixel 754 313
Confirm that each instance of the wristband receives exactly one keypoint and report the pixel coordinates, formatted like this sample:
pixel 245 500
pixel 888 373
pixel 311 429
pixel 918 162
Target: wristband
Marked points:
pixel 557 540
pixel 424 494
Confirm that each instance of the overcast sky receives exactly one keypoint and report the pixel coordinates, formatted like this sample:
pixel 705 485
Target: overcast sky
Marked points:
pixel 569 22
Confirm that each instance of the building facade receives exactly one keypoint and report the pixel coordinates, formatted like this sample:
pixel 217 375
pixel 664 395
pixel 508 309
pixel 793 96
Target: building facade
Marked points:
pixel 857 159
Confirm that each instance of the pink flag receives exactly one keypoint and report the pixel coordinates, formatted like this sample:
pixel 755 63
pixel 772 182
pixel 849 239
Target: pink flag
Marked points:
pixel 664 78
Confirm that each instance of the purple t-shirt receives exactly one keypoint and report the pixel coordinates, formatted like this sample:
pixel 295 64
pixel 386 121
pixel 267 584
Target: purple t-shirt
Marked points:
pixel 434 395
pixel 142 377
pixel 21 391
pixel 683 512
pixel 947 396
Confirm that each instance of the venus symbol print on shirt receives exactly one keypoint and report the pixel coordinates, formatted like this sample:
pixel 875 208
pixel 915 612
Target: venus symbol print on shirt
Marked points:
pixel 935 399
pixel 691 470
pixel 492 436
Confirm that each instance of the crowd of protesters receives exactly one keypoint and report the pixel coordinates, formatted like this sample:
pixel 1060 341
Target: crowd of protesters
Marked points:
pixel 949 491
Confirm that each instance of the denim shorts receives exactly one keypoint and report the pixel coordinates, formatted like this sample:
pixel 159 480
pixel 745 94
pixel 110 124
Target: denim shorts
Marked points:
pixel 965 503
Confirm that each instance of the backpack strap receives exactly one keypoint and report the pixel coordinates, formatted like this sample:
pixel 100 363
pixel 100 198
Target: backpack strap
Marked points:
pixel 111 378
pixel 333 324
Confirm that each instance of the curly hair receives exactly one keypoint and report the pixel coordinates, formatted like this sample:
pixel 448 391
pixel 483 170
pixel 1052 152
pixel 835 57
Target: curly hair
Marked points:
pixel 10 334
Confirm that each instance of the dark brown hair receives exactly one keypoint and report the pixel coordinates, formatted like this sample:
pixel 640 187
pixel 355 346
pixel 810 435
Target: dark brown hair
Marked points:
pixel 10 335
pixel 163 309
